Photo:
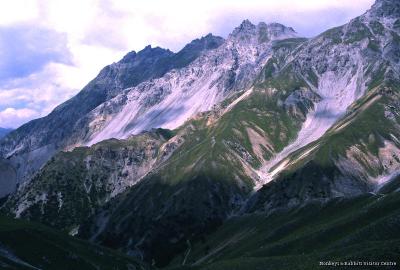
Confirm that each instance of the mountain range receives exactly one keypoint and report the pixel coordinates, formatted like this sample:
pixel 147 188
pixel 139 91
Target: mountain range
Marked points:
pixel 264 150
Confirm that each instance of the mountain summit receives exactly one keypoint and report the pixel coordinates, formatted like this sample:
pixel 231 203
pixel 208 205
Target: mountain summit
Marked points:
pixel 262 32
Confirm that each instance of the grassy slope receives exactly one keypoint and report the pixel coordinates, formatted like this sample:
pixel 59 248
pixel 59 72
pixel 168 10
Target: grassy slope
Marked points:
pixel 319 176
pixel 365 128
pixel 363 229
pixel 354 221
pixel 220 145
pixel 26 245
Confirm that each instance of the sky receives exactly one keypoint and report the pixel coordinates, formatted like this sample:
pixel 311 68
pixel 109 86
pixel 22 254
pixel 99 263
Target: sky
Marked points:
pixel 50 49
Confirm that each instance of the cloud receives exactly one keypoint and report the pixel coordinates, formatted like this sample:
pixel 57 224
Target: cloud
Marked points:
pixel 18 11
pixel 11 117
pixel 25 50
pixel 38 93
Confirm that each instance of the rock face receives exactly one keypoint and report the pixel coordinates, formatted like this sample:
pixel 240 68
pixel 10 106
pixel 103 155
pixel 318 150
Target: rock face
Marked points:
pixel 262 122
pixel 348 146
pixel 170 100
pixel 340 66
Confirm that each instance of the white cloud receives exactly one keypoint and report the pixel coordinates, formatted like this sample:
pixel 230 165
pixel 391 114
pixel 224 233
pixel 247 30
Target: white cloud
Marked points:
pixel 99 32
pixel 11 117
pixel 18 11
pixel 38 93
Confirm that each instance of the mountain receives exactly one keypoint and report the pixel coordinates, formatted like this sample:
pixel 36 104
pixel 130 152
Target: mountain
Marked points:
pixel 265 150
pixel 122 100
pixel 4 131
pixel 29 147
pixel 169 101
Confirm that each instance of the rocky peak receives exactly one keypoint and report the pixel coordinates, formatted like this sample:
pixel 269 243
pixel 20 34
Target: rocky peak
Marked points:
pixel 146 53
pixel 245 27
pixel 261 32
pixel 207 42
pixel 278 31
pixel 190 51
pixel 129 57
pixel 245 30
pixel 386 8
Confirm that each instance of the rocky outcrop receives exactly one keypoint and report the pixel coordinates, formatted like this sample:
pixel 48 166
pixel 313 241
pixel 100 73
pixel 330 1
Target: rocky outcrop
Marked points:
pixel 73 184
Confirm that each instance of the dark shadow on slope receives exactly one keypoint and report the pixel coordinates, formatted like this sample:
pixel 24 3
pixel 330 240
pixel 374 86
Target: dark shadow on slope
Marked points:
pixel 362 228
pixel 309 183
pixel 157 219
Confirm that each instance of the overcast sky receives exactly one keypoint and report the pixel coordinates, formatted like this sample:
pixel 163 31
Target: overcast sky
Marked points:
pixel 49 49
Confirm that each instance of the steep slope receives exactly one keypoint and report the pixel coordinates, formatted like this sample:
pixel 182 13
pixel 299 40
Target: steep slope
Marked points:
pixel 169 101
pixel 360 152
pixel 25 245
pixel 27 148
pixel 340 66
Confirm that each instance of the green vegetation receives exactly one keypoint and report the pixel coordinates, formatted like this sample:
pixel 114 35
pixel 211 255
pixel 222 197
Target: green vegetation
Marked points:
pixel 218 145
pixel 73 184
pixel 374 45
pixel 290 43
pixel 334 34
pixel 357 31
pixel 27 245
pixel 365 228
pixel 377 76
pixel 367 129
pixel 377 27
pixel 286 81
